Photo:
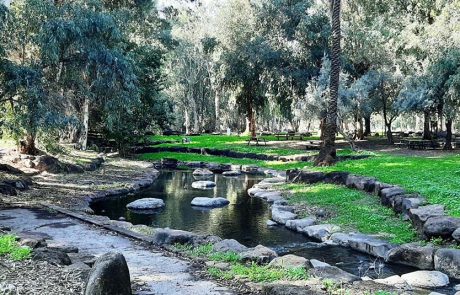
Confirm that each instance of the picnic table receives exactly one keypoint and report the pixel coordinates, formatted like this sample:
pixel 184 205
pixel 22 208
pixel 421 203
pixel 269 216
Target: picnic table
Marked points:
pixel 419 144
pixel 257 140
pixel 292 135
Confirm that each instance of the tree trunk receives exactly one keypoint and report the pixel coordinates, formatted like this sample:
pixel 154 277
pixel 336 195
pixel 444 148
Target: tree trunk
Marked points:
pixel 360 129
pixel 389 133
pixel 27 146
pixel 448 145
pixel 251 120
pixel 328 153
pixel 187 122
pixel 367 125
pixel 426 125
pixel 217 112
pixel 84 134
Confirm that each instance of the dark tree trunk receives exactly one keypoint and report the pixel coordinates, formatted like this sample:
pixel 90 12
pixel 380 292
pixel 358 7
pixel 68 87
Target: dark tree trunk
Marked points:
pixel 252 120
pixel 367 125
pixel 448 145
pixel 328 153
pixel 426 125
pixel 389 133
pixel 360 129
pixel 27 146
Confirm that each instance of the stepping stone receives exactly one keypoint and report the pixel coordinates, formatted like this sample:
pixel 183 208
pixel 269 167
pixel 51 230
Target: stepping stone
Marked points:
pixel 413 254
pixel 202 172
pixel 209 202
pixel 203 184
pixel 280 216
pixel 232 173
pixel 146 204
pixel 300 224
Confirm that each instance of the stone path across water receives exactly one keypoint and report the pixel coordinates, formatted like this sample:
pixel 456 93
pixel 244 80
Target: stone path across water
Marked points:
pixel 162 274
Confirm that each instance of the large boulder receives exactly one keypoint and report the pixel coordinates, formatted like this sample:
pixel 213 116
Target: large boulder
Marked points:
pixel 281 216
pixel 413 254
pixel 259 254
pixel 210 202
pixel 229 245
pixel 202 172
pixel 146 204
pixel 320 232
pixel 52 256
pixel 387 194
pixel 419 215
pixel 166 236
pixel 448 261
pixel 110 275
pixel 53 165
pixel 270 196
pixel 300 224
pixel 289 261
pixel 305 176
pixel 426 279
pixel 366 184
pixel 169 163
pixel 411 202
pixel 440 226
pixel 364 243
pixel 203 184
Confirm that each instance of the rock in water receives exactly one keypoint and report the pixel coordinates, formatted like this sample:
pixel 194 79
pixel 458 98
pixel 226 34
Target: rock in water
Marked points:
pixel 146 204
pixel 210 202
pixel 203 184
pixel 110 275
pixel 232 173
pixel 202 172
pixel 426 279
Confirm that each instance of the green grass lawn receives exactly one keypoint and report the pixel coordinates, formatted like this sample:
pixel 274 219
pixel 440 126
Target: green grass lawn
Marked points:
pixel 436 178
pixel 354 210
pixel 233 142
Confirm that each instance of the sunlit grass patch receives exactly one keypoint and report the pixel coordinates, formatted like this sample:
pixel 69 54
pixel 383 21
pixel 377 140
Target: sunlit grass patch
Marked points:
pixel 9 246
pixel 354 210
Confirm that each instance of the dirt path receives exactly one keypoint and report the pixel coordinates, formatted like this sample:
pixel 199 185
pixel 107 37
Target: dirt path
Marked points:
pixel 159 273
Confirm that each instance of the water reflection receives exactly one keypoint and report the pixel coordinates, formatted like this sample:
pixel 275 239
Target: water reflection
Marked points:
pixel 244 219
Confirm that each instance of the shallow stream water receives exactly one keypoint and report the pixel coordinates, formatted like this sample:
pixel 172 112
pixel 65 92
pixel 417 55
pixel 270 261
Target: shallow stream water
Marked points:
pixel 244 220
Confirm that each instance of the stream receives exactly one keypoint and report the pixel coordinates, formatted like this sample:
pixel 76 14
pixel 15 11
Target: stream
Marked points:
pixel 243 220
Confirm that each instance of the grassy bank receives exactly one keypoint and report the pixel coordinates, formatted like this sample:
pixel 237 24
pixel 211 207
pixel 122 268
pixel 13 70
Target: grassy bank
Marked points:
pixel 233 142
pixel 354 211
pixel 10 247
pixel 436 178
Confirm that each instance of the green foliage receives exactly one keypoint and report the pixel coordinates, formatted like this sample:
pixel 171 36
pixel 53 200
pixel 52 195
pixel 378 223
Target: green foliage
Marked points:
pixel 9 246
pixel 257 273
pixel 354 210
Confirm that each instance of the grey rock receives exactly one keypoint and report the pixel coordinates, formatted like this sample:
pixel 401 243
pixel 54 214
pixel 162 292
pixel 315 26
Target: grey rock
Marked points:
pixel 281 216
pixel 146 204
pixel 456 234
pixel 411 203
pixel 448 261
pixel 316 263
pixel 387 194
pixel 232 173
pixel 306 176
pixel 87 259
pixel 271 197
pixel 274 180
pixel 218 265
pixel 52 256
pixel 419 215
pixel 299 224
pixel 229 245
pixel 320 232
pixel 413 254
pixel 210 202
pixel 366 184
pixel 426 279
pixel 202 172
pixel 440 226
pixel 364 243
pixel 110 275
pixel 289 261
pixel 333 273
pixel 32 243
pixel 203 184
pixel 271 223
pixel 284 208
pixel 259 254
pixel 379 186
pixel 281 202
pixel 64 248
pixel 250 169
pixel 395 281
pixel 252 191
pixel 168 236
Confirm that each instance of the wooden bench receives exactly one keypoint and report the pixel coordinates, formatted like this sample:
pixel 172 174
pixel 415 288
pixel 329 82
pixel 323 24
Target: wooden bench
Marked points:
pixel 313 145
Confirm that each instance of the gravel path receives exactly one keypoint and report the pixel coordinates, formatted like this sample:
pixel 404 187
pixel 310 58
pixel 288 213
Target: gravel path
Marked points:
pixel 158 273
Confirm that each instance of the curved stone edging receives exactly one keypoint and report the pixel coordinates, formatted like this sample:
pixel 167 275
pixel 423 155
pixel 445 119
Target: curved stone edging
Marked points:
pixel 411 207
